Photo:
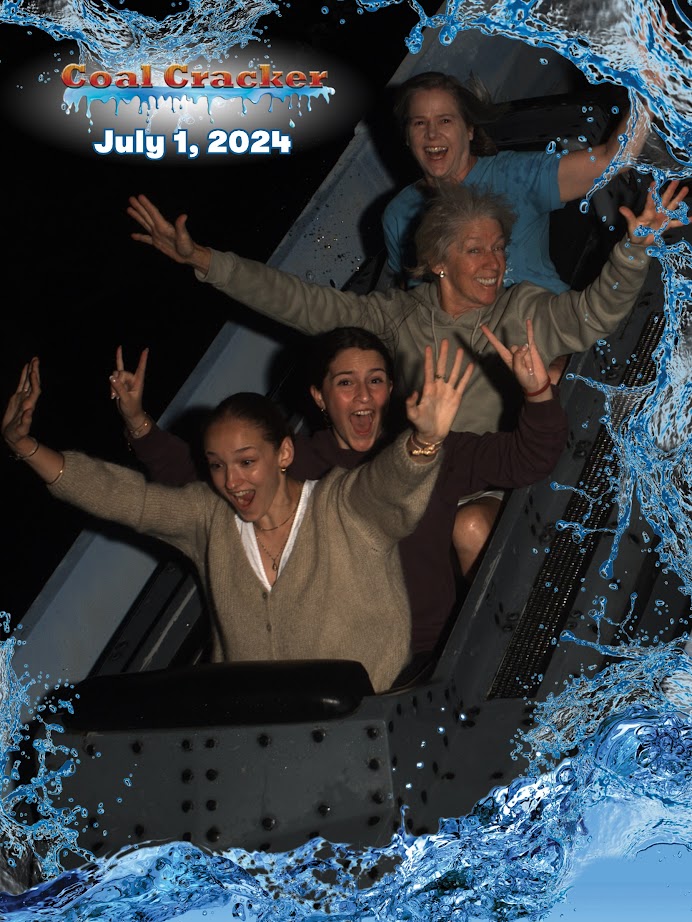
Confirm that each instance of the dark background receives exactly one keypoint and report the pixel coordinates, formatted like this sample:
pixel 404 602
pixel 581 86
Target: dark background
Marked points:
pixel 75 285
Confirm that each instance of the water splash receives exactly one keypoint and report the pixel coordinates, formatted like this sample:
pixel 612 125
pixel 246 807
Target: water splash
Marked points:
pixel 651 431
pixel 653 444
pixel 514 856
pixel 34 834
pixel 123 39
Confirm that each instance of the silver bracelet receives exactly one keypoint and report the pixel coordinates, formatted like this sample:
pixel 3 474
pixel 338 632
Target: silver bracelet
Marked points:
pixel 31 454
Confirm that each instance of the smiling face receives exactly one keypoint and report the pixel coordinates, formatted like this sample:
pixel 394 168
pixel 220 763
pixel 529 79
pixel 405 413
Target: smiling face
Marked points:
pixel 245 468
pixel 473 267
pixel 355 393
pixel 438 135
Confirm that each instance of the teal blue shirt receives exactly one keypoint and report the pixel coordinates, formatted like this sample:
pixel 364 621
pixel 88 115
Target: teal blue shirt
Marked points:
pixel 528 181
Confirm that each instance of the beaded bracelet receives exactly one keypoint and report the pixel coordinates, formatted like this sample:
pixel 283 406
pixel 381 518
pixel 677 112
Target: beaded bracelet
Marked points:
pixel 541 390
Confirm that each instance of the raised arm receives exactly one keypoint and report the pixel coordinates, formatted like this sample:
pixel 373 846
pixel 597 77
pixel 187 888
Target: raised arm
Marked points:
pixel 108 491
pixel 166 458
pixel 281 295
pixel 173 240
pixel 387 496
pixel 16 427
pixel 432 413
pixel 127 389
pixel 579 169
pixel 577 176
pixel 657 219
pixel 526 365
pixel 572 321
pixel 513 459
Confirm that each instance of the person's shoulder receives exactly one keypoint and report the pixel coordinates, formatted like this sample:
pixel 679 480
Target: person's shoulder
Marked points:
pixel 405 300
pixel 525 299
pixel 514 302
pixel 522 156
pixel 524 292
pixel 316 453
pixel 201 493
pixel 405 198
pixel 198 494
pixel 511 160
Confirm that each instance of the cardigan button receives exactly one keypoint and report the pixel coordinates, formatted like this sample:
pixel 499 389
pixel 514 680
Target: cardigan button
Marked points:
pixel 269 628
pixel 265 594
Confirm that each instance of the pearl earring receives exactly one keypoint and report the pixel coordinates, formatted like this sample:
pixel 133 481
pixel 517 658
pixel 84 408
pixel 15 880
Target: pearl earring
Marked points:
pixel 442 274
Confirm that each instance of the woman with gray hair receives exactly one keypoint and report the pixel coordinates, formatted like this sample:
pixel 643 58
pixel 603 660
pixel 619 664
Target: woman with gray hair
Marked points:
pixel 452 208
pixel 464 302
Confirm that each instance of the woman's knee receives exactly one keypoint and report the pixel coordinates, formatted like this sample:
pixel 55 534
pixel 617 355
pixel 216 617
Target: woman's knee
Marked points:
pixel 474 522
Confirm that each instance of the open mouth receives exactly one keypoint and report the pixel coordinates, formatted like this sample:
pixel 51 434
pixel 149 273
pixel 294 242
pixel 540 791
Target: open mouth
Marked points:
pixel 488 283
pixel 362 422
pixel 242 499
pixel 435 153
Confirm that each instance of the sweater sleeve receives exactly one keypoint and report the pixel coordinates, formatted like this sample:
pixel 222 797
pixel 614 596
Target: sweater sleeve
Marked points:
pixel 572 321
pixel 179 517
pixel 306 307
pixel 166 458
pixel 385 498
pixel 505 459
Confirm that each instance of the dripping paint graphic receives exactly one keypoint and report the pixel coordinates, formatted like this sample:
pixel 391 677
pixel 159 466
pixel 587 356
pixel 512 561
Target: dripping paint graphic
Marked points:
pixel 625 791
pixel 191 71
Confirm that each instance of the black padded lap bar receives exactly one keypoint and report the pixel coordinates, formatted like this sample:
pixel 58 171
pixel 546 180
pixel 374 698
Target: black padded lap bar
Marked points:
pixel 220 695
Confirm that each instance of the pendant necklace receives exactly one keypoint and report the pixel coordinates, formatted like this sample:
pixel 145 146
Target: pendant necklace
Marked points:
pixel 274 559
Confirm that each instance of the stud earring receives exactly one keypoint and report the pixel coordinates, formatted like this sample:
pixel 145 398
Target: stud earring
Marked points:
pixel 441 274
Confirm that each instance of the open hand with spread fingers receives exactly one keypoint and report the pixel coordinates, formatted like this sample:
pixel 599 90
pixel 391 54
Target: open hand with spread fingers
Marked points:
pixel 432 413
pixel 173 240
pixel 657 220
pixel 525 363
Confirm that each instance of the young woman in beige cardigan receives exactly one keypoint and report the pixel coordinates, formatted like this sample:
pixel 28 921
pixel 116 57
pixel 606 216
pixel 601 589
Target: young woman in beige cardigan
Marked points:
pixel 292 570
